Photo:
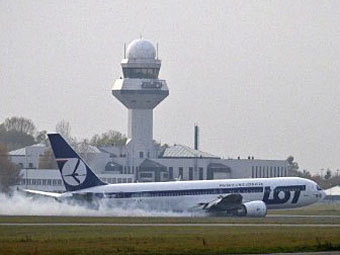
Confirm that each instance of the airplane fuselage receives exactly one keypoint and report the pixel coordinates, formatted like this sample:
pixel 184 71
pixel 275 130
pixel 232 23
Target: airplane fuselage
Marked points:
pixel 276 193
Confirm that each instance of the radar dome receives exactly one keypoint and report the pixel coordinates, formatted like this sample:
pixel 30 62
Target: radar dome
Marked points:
pixel 141 49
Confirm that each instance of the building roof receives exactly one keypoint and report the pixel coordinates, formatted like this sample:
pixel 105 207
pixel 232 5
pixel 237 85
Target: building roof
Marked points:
pixel 147 163
pixel 91 149
pixel 218 166
pixel 182 151
pixel 141 49
pixel 334 191
pixel 22 151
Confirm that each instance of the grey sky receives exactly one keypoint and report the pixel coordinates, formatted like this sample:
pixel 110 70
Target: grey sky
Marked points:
pixel 260 77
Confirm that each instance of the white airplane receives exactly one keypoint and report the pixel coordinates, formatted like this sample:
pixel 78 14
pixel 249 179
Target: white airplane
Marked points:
pixel 233 197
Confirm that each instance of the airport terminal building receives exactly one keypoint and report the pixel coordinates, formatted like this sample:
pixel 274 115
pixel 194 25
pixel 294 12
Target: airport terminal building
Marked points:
pixel 141 160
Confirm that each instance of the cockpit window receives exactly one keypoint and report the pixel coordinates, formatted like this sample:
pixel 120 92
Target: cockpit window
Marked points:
pixel 318 187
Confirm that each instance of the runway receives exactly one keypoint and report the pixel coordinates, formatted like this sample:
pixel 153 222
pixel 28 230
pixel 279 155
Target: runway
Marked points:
pixel 172 224
pixel 301 216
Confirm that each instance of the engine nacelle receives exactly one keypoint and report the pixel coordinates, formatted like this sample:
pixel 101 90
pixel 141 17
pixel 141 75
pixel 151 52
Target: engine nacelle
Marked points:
pixel 253 209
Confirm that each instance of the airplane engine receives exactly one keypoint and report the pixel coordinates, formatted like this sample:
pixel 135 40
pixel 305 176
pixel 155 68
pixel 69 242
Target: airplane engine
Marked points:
pixel 253 209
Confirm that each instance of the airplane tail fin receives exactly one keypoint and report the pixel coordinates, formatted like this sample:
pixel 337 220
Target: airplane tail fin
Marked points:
pixel 76 174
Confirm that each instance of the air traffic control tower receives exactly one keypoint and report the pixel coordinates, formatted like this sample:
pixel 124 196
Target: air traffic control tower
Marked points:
pixel 140 91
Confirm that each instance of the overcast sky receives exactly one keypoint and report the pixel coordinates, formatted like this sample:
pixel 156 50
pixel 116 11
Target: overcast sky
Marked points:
pixel 260 77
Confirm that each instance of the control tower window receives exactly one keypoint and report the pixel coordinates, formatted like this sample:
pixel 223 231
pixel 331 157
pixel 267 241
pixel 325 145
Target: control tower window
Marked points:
pixel 141 73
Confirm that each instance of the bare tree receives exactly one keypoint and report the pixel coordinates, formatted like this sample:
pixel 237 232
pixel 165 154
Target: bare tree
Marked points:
pixel 9 173
pixel 64 128
pixel 15 134
pixel 20 124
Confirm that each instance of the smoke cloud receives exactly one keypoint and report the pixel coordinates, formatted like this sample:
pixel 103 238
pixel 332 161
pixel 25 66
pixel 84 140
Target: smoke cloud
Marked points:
pixel 19 204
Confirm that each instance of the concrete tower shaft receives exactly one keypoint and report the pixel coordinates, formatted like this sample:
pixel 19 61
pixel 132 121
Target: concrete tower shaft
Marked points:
pixel 140 91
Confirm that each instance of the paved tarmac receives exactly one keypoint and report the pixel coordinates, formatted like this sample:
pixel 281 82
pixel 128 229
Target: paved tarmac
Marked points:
pixel 301 216
pixel 173 224
pixel 303 253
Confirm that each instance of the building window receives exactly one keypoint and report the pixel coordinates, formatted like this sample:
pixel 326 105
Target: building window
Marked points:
pixel 201 173
pixel 141 154
pixel 141 73
pixel 146 175
pixel 271 172
pixel 171 173
pixel 191 173
pixel 129 180
pixel 256 172
pixel 180 173
pixel 252 172
pixel 30 165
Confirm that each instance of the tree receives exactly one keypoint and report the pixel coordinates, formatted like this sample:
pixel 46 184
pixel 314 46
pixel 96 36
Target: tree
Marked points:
pixel 17 132
pixel 109 138
pixel 64 128
pixel 21 125
pixel 328 174
pixel 305 174
pixel 293 166
pixel 14 139
pixel 41 137
pixel 9 173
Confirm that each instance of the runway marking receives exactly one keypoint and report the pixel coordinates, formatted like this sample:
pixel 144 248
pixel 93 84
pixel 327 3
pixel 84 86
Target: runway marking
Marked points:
pixel 171 224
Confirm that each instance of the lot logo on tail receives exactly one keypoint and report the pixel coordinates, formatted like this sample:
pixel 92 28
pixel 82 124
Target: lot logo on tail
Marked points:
pixel 74 171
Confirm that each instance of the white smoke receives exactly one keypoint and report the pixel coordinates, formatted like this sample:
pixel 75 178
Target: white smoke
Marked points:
pixel 19 204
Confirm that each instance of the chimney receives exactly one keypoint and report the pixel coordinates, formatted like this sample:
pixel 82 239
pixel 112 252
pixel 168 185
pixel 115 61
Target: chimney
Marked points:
pixel 196 137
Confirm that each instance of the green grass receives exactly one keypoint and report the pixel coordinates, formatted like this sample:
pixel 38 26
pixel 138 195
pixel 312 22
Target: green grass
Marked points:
pixel 164 240
pixel 172 240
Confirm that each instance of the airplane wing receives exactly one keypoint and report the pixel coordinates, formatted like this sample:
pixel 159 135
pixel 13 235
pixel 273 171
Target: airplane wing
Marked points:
pixel 223 203
pixel 41 193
